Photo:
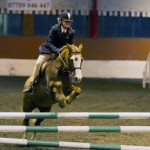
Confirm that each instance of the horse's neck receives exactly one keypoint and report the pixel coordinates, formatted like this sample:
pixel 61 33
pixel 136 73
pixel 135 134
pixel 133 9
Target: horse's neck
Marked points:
pixel 51 72
pixel 54 66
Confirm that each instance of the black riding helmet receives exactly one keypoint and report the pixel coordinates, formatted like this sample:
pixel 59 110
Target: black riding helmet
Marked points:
pixel 66 17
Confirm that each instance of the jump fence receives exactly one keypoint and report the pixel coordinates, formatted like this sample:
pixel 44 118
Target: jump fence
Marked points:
pixel 92 115
pixel 75 129
pixel 62 144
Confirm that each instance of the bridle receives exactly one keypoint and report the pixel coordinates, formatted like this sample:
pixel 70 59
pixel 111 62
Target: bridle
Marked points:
pixel 73 69
pixel 66 68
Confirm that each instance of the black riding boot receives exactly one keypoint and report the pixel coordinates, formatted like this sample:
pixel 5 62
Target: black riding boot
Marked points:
pixel 30 89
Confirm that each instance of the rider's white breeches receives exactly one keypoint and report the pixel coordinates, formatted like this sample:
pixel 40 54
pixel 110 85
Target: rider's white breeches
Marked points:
pixel 42 58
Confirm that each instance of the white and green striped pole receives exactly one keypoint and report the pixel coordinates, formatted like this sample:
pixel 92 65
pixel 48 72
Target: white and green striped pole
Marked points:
pixel 89 115
pixel 75 129
pixel 61 144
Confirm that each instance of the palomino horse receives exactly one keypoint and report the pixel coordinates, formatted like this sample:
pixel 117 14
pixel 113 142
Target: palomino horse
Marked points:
pixel 52 87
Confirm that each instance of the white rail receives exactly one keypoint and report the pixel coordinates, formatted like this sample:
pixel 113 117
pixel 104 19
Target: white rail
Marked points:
pixel 146 73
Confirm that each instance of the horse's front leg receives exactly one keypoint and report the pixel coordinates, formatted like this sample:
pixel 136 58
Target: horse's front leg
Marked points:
pixel 75 92
pixel 56 88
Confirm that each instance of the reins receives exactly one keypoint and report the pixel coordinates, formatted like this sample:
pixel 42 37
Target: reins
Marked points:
pixel 63 61
pixel 66 67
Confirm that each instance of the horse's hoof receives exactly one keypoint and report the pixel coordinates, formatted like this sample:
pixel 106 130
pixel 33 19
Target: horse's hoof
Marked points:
pixel 77 97
pixel 77 90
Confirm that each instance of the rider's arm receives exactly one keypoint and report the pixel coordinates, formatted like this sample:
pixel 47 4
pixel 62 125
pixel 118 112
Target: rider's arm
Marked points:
pixel 50 40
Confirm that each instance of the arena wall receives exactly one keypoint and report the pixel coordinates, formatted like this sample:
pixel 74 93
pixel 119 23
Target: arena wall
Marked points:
pixel 106 58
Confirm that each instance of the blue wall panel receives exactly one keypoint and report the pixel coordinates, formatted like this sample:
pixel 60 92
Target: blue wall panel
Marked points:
pixel 80 25
pixel 145 27
pixel 43 23
pixel 130 27
pixel 14 24
pixel 108 26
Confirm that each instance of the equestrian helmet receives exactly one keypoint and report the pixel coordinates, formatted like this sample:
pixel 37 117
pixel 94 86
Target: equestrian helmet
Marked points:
pixel 66 17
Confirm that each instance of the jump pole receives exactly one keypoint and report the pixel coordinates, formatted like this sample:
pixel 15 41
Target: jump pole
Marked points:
pixel 89 115
pixel 61 144
pixel 75 129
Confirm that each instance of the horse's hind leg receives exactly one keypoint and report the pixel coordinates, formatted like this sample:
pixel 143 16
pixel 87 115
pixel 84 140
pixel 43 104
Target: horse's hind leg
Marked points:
pixel 38 121
pixel 42 109
pixel 27 107
pixel 25 123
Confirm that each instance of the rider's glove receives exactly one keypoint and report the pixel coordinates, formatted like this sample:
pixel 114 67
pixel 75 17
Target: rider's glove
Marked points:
pixel 57 52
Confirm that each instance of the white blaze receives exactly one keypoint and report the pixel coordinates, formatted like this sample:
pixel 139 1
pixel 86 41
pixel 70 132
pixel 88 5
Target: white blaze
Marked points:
pixel 77 65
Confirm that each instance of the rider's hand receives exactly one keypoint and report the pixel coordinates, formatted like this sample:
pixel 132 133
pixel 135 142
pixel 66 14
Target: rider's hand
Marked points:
pixel 57 53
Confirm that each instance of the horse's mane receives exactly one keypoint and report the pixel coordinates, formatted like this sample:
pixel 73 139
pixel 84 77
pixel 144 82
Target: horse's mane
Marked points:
pixel 73 48
pixel 63 48
pixel 64 51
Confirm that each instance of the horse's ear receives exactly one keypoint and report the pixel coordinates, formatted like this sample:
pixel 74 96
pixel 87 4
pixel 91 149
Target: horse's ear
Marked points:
pixel 81 46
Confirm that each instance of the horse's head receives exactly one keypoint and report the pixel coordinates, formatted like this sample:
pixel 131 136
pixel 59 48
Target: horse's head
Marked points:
pixel 74 61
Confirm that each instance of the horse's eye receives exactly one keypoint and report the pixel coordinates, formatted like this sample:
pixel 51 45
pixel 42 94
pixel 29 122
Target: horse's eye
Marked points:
pixel 76 59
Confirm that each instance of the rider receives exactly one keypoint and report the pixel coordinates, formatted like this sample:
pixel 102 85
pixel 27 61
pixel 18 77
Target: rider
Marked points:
pixel 59 35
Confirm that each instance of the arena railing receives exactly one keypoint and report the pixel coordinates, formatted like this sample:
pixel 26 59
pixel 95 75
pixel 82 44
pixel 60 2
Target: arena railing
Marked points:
pixel 146 73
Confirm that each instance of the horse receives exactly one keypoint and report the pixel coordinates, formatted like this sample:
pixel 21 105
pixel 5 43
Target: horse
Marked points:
pixel 56 84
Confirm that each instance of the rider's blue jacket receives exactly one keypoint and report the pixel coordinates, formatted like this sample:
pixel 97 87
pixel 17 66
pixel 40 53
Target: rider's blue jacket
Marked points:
pixel 56 40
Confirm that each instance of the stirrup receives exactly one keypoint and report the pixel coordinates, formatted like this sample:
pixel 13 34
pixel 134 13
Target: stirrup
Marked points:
pixel 31 87
pixel 29 90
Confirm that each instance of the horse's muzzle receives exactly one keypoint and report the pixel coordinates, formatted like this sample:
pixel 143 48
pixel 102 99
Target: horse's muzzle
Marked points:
pixel 77 80
pixel 77 76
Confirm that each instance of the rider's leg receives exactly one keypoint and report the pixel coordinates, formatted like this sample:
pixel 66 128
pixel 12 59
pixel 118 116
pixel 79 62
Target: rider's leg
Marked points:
pixel 42 58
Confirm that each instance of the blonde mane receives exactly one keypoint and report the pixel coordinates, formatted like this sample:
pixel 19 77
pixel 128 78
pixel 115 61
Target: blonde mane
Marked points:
pixel 65 50
pixel 73 48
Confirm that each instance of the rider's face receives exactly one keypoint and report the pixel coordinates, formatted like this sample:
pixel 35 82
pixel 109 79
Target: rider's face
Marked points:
pixel 66 24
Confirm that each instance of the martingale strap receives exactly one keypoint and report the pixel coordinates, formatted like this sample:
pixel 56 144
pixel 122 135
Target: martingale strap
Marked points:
pixel 75 68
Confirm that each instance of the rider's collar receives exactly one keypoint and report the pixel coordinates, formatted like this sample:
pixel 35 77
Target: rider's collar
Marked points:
pixel 63 30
